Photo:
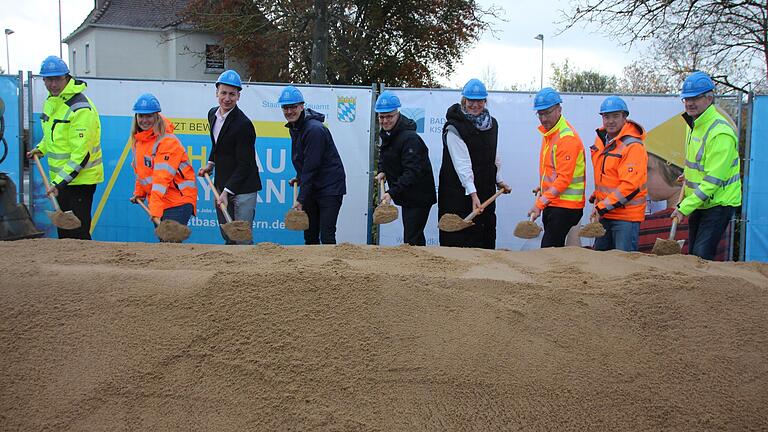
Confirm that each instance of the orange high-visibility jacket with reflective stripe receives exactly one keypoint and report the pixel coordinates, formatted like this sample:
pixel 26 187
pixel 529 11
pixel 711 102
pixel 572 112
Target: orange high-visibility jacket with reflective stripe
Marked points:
pixel 561 167
pixel 621 172
pixel 163 171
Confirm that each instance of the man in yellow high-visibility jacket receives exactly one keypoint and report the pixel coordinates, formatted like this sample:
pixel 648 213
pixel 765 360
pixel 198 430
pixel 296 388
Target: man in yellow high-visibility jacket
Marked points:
pixel 71 141
pixel 712 168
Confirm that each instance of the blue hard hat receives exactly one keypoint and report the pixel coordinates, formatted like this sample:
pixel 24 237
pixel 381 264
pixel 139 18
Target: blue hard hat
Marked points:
pixel 146 104
pixel 231 78
pixel 474 89
pixel 545 98
pixel 387 102
pixel 697 83
pixel 613 104
pixel 290 95
pixel 53 66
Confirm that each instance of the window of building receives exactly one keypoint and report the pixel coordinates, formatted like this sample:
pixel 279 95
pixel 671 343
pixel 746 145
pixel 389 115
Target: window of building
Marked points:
pixel 87 58
pixel 214 59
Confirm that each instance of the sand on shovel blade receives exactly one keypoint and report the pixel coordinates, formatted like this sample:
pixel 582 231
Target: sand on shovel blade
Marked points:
pixel 239 231
pixel 666 247
pixel 450 222
pixel 296 220
pixel 172 231
pixel 592 230
pixel 64 220
pixel 384 213
pixel 527 230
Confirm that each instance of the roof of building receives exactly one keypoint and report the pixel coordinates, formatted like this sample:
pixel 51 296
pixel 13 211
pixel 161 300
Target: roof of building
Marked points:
pixel 140 14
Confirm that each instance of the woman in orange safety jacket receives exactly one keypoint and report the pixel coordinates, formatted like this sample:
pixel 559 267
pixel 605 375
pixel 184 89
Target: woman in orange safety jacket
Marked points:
pixel 164 175
pixel 620 165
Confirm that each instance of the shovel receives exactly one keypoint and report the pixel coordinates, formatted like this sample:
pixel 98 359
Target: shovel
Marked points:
pixel 238 231
pixel 593 229
pixel 669 246
pixel 62 219
pixel 527 229
pixel 385 212
pixel 450 222
pixel 296 220
pixel 168 230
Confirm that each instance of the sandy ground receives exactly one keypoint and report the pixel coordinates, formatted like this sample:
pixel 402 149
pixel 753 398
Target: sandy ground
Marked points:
pixel 172 337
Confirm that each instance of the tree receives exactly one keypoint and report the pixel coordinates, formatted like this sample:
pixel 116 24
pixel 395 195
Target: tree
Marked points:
pixel 398 42
pixel 729 38
pixel 567 79
pixel 643 77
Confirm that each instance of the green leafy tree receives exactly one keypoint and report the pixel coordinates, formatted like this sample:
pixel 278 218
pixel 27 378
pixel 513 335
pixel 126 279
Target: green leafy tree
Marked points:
pixel 565 78
pixel 398 42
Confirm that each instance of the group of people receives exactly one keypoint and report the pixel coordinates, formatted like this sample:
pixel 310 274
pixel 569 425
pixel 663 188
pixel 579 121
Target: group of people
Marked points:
pixel 470 173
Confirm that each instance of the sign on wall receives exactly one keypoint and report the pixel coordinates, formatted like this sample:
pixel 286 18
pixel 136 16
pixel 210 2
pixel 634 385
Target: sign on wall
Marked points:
pixel 186 104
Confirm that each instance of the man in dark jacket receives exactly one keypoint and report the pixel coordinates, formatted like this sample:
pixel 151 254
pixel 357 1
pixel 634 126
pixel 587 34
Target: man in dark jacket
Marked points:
pixel 319 170
pixel 404 164
pixel 233 153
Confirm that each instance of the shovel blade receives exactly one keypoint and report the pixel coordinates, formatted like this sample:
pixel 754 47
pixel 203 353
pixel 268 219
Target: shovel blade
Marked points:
pixel 666 247
pixel 451 223
pixel 64 220
pixel 238 231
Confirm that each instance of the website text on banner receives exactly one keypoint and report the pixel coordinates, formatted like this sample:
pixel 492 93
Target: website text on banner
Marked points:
pixel 347 112
pixel 519 145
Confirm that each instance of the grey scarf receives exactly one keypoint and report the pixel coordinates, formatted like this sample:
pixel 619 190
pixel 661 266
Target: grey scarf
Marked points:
pixel 482 121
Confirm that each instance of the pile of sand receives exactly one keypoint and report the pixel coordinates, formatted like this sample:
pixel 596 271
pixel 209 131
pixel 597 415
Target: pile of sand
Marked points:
pixel 115 336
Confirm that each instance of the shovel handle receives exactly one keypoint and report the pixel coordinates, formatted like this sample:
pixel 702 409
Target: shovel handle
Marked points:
pixel 45 182
pixel 140 202
pixel 484 205
pixel 381 189
pixel 221 204
pixel 673 230
pixel 295 193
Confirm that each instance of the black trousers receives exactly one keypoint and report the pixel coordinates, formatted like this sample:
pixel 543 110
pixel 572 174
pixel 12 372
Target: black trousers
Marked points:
pixel 323 213
pixel 78 199
pixel 557 222
pixel 414 221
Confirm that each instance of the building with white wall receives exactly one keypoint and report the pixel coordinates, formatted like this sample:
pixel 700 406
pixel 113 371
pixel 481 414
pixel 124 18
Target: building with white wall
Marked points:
pixel 144 39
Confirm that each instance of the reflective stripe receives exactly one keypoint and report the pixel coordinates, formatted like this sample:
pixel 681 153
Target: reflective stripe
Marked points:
pixel 187 184
pixel 571 191
pixel 736 178
pixel 59 156
pixel 700 153
pixel 183 165
pixel 79 105
pixel 630 140
pixel 694 165
pixel 76 167
pixel 146 181
pixel 714 180
pixel 159 188
pixel 702 196
pixel 93 163
pixel 578 179
pixel 96 149
pixel 165 167
pixel 691 184
pixel 553 191
pixel 735 162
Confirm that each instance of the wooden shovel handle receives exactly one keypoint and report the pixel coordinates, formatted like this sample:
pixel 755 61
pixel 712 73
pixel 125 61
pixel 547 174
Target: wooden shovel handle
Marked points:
pixel 140 202
pixel 484 205
pixel 381 189
pixel 675 221
pixel 45 182
pixel 221 204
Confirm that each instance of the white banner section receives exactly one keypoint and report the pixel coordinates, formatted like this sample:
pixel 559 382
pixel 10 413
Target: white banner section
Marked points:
pixel 519 146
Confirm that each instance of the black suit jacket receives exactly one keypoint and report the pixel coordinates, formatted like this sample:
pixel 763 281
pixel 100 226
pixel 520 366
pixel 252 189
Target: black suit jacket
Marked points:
pixel 234 153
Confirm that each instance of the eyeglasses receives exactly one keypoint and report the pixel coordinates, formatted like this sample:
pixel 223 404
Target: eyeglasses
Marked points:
pixel 475 102
pixel 546 112
pixel 386 116
pixel 291 107
pixel 694 98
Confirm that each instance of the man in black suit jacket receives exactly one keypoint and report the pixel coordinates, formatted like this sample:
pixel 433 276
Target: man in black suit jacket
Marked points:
pixel 233 153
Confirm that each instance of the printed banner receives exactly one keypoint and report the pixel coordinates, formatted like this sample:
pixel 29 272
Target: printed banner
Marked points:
pixel 9 128
pixel 347 111
pixel 520 143
pixel 755 192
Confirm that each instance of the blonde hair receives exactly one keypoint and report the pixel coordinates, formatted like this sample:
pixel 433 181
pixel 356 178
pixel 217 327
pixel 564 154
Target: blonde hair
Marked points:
pixel 158 128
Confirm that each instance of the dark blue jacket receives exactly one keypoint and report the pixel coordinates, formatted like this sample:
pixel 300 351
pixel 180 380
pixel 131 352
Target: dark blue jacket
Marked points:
pixel 315 157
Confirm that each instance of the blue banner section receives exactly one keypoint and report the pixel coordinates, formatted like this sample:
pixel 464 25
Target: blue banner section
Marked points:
pixel 756 248
pixel 9 127
pixel 117 219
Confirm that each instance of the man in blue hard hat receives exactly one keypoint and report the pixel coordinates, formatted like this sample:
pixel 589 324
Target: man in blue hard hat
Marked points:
pixel 319 170
pixel 560 200
pixel 233 154
pixel 712 173
pixel 72 143
pixel 404 164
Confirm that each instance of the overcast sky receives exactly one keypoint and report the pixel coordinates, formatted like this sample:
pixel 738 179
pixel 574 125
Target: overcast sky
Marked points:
pixel 513 55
